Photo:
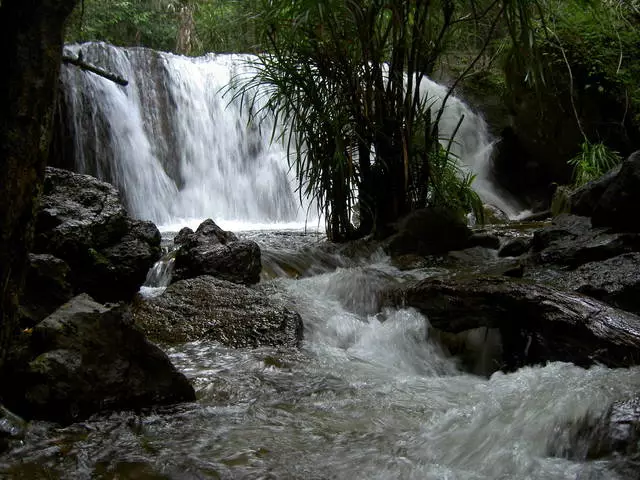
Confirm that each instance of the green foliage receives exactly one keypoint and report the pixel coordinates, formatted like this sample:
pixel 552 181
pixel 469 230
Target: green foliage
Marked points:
pixel 344 78
pixel 451 187
pixel 601 45
pixel 227 26
pixel 149 23
pixel 594 160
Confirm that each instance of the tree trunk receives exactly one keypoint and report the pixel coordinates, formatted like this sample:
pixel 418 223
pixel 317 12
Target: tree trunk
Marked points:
pixel 31 38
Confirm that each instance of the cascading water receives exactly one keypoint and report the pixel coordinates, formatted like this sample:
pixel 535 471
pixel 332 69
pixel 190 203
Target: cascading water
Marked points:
pixel 170 141
pixel 471 144
pixel 368 396
pixel 179 151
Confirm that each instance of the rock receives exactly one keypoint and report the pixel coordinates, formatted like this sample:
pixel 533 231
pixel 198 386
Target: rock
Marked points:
pixel 46 288
pixel 613 435
pixel 428 232
pixel 12 428
pixel 515 247
pixel 571 241
pixel 517 271
pixel 583 201
pixel 537 323
pixel 212 251
pixel 213 309
pixel 617 206
pixel 86 358
pixel 615 281
pixel 494 216
pixel 561 200
pixel 82 222
pixel 182 236
pixel 486 240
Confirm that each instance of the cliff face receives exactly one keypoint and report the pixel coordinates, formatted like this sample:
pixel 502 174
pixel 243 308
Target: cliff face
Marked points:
pixel 31 37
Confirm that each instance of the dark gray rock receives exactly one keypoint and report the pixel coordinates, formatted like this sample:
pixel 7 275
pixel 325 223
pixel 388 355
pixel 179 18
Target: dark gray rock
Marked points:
pixel 514 247
pixel 486 240
pixel 571 241
pixel 614 435
pixel 209 308
pixel 86 358
pixel 46 288
pixel 12 428
pixel 82 222
pixel 584 200
pixel 428 232
pixel 182 236
pixel 212 251
pixel 615 281
pixel 618 204
pixel 538 323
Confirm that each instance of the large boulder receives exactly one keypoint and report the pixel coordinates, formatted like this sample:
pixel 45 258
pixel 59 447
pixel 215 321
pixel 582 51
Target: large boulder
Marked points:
pixel 213 309
pixel 618 204
pixel 615 281
pixel 428 231
pixel 514 247
pixel 571 241
pixel 537 323
pixel 212 251
pixel 583 201
pixel 47 287
pixel 82 221
pixel 86 358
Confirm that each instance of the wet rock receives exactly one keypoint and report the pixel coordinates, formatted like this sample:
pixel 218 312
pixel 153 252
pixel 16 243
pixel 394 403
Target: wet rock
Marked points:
pixel 571 241
pixel 494 216
pixel 82 221
pixel 428 232
pixel 615 281
pixel 182 236
pixel 538 323
pixel 515 247
pixel 212 251
pixel 46 288
pixel 486 240
pixel 86 358
pixel 12 428
pixel 617 207
pixel 613 435
pixel 213 309
pixel 583 201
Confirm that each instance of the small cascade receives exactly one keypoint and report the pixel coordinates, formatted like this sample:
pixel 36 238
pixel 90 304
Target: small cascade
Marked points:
pixel 472 144
pixel 180 152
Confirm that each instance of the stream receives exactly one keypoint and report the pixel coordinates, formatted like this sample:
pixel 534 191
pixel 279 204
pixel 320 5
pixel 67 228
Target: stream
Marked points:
pixel 366 397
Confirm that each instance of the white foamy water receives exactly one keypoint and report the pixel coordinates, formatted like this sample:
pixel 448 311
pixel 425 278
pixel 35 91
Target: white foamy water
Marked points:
pixel 368 396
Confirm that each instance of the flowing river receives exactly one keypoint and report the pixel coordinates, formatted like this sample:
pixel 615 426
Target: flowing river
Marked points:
pixel 368 396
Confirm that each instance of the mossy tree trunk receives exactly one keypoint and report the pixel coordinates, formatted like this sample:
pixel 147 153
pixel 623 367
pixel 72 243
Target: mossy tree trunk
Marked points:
pixel 31 38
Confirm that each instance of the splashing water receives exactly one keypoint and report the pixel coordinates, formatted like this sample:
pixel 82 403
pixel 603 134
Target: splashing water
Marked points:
pixel 369 396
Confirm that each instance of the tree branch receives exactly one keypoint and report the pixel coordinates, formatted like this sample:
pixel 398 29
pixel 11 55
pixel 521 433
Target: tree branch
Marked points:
pixel 93 69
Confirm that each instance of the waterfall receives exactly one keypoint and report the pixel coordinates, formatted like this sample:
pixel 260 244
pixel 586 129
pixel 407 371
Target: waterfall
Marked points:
pixel 179 152
pixel 175 148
